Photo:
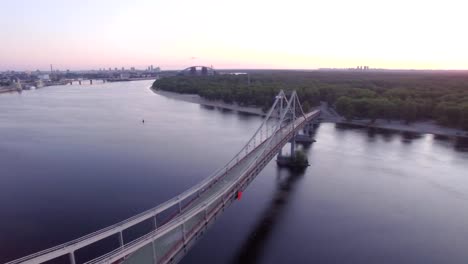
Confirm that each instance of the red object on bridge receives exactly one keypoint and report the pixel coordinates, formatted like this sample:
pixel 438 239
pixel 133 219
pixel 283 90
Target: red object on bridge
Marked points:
pixel 239 195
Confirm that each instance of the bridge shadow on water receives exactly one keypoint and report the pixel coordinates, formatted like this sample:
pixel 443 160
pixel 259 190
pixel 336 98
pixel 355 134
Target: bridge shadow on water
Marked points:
pixel 252 249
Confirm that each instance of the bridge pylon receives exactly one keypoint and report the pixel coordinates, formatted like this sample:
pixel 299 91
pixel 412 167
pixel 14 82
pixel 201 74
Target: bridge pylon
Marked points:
pixel 179 222
pixel 292 112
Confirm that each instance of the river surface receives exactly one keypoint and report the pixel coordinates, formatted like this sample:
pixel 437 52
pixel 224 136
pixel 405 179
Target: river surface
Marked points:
pixel 74 159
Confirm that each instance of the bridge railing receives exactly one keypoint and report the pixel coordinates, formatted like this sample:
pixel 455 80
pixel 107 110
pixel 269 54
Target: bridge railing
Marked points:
pixel 167 240
pixel 184 198
pixel 175 207
pixel 185 227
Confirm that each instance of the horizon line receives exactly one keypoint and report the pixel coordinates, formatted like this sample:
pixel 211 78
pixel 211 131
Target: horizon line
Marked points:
pixel 248 68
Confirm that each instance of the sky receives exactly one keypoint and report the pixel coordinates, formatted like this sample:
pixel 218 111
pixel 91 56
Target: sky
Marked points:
pixel 287 34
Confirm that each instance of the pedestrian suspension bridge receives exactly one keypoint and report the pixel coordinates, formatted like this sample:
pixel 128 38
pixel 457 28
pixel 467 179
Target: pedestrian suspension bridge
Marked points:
pixel 177 224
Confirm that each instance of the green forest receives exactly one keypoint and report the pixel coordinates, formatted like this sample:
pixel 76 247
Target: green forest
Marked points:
pixel 404 95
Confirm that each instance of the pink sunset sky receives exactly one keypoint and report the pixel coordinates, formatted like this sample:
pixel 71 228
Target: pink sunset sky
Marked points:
pixel 77 34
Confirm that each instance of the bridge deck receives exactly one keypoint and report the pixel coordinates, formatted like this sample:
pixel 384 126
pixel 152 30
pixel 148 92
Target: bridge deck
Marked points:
pixel 165 246
pixel 197 206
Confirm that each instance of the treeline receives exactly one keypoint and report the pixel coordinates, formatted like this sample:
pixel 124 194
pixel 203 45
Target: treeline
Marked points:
pixel 410 96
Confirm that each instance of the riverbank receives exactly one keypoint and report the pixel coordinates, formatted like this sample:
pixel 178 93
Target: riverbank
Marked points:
pixel 8 89
pixel 421 127
pixel 196 99
pixel 329 115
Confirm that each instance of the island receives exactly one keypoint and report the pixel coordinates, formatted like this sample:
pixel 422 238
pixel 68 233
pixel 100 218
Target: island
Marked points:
pixel 419 101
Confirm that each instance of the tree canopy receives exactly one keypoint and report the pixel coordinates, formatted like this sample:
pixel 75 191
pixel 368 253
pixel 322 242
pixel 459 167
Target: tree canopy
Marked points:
pixel 406 95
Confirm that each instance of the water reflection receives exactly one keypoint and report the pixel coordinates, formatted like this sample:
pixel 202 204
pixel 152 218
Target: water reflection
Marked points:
pixel 408 137
pixel 340 126
pixel 99 165
pixel 252 249
pixel 207 107
pixel 240 115
pixel 224 110
pixel 387 135
pixel 246 116
pixel 459 144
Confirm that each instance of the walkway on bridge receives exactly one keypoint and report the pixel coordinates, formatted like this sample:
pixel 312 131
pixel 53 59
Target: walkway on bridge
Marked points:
pixel 180 221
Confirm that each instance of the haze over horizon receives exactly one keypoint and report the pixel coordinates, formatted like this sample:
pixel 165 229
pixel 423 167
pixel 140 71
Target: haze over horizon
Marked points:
pixel 79 35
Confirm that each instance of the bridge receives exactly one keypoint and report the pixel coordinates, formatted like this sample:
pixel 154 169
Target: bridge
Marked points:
pixel 178 224
pixel 198 70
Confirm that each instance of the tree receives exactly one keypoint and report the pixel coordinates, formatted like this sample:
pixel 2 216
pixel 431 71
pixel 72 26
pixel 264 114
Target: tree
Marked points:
pixel 409 111
pixel 448 114
pixel 464 117
pixel 344 106
pixel 306 106
pixel 406 96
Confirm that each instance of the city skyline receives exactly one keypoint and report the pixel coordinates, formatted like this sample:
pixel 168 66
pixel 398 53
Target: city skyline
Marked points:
pixel 84 35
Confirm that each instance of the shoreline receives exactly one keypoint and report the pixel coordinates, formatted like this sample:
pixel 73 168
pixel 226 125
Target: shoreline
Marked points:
pixel 330 116
pixel 196 99
pixel 9 90
pixel 420 127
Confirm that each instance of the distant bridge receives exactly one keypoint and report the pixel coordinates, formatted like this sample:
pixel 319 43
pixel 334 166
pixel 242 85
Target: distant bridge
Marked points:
pixel 198 71
pixel 181 221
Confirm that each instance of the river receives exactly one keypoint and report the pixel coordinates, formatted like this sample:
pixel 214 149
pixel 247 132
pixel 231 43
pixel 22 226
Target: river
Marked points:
pixel 74 159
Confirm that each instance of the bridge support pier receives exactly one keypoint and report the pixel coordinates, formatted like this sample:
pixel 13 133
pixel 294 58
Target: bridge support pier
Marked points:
pixel 184 234
pixel 304 139
pixel 310 127
pixel 198 217
pixel 295 161
pixel 72 258
pixel 155 255
pixel 121 240
pixel 293 146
